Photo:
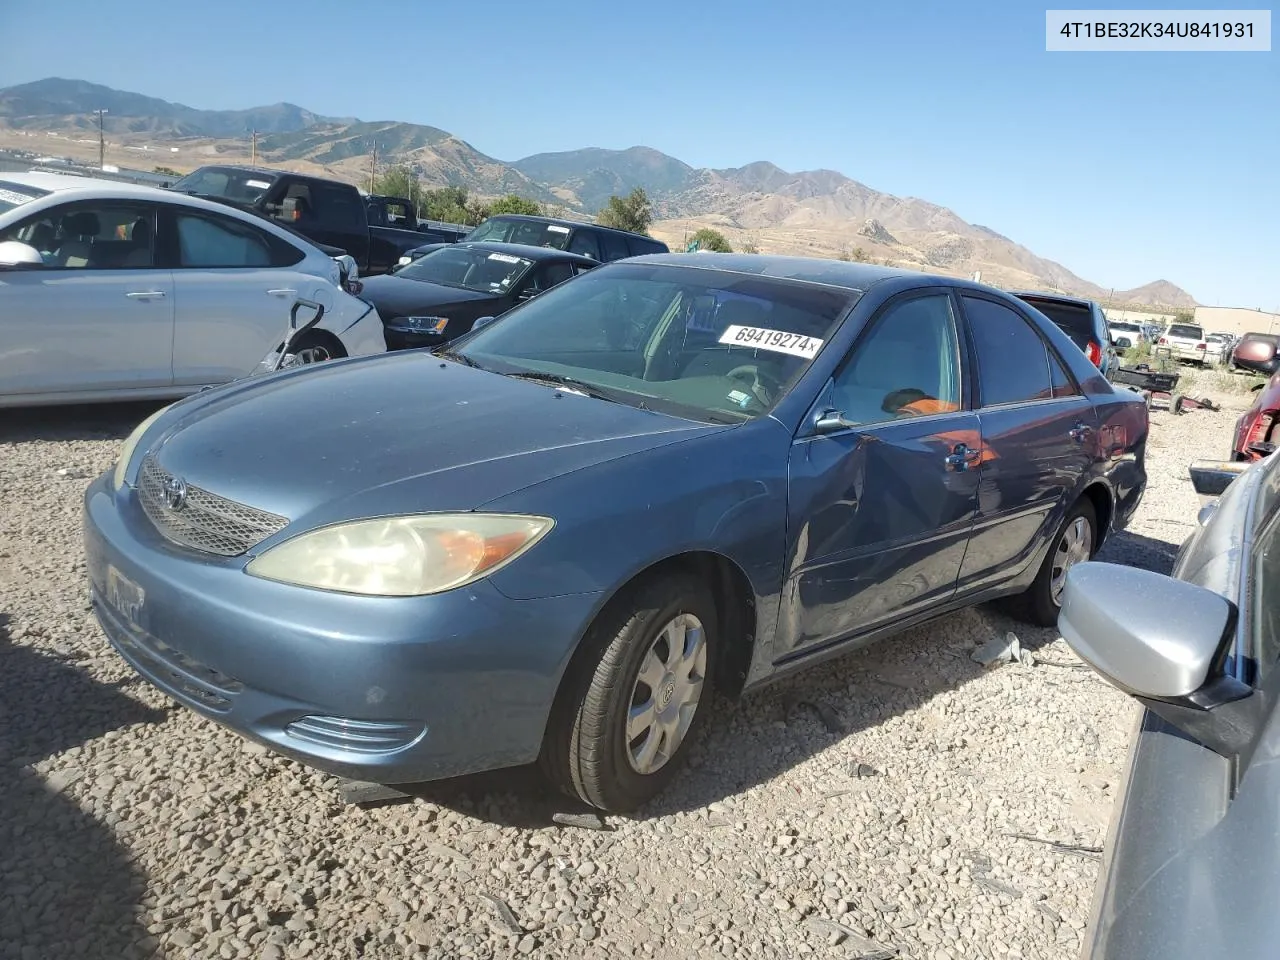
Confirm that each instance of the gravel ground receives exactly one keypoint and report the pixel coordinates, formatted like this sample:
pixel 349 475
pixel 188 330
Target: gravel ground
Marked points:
pixel 883 803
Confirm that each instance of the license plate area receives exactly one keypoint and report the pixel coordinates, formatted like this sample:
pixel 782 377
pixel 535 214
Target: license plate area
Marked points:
pixel 125 597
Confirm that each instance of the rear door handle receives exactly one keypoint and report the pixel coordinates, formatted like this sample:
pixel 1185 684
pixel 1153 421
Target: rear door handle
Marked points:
pixel 961 457
pixel 144 294
pixel 282 292
pixel 1080 432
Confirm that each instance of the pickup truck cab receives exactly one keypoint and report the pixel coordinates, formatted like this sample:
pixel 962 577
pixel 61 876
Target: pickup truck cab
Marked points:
pixel 399 213
pixel 329 213
pixel 1184 341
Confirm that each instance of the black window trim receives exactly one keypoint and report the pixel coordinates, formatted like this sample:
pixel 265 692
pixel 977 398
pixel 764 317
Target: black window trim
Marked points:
pixel 275 244
pixel 1035 328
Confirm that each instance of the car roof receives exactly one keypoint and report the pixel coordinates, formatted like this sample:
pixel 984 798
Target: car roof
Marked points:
pixel 70 186
pixel 525 250
pixel 530 218
pixel 834 273
pixel 1052 297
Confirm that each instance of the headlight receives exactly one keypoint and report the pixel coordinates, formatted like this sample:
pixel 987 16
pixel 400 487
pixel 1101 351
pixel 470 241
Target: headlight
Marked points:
pixel 131 444
pixel 401 556
pixel 426 324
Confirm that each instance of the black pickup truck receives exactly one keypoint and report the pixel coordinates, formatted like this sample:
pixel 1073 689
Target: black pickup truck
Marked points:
pixel 399 213
pixel 331 214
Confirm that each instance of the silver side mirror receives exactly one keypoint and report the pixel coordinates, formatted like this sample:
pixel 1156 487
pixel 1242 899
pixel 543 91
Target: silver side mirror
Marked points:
pixel 1165 642
pixel 17 256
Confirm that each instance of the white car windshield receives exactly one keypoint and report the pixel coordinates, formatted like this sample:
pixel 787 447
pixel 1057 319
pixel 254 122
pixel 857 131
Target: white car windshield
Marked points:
pixel 703 344
pixel 478 268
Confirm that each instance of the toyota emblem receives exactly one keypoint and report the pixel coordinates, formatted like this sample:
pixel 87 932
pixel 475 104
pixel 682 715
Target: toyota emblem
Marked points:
pixel 175 493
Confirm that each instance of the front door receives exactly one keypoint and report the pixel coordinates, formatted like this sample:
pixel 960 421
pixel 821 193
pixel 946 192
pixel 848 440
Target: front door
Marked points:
pixel 232 296
pixel 98 316
pixel 1039 434
pixel 880 510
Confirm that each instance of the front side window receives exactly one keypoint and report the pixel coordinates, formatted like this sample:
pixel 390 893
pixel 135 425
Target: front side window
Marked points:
pixel 1013 364
pixel 584 242
pixel 469 267
pixel 95 235
pixel 706 345
pixel 613 246
pixel 206 241
pixel 908 365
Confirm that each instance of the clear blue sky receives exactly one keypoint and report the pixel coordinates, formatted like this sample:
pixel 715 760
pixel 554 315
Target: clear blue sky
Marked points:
pixel 1126 168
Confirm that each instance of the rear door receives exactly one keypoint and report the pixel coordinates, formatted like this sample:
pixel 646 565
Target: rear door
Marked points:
pixel 99 315
pixel 233 288
pixel 880 512
pixel 1039 436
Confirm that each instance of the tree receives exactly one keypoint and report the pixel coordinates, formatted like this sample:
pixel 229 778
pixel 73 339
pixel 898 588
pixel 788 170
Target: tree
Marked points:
pixel 398 181
pixel 751 246
pixel 449 204
pixel 514 203
pixel 859 255
pixel 632 212
pixel 708 239
pixel 167 172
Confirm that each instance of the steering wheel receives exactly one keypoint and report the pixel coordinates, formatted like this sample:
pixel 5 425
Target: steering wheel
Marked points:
pixel 763 386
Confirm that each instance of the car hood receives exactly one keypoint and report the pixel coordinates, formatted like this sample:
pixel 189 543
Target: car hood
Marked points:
pixel 401 297
pixel 395 433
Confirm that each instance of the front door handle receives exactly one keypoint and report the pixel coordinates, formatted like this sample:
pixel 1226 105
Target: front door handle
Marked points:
pixel 282 292
pixel 145 294
pixel 961 457
pixel 1080 432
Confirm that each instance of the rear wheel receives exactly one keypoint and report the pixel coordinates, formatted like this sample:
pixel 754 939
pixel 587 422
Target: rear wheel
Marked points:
pixel 633 702
pixel 1076 542
pixel 311 348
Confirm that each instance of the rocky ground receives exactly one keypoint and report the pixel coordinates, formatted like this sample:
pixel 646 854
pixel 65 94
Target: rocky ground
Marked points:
pixel 903 800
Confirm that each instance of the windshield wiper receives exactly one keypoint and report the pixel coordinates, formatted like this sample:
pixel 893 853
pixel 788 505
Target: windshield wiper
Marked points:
pixel 569 383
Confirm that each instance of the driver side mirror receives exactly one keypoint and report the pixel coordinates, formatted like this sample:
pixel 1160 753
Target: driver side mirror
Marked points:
pixel 1171 655
pixel 15 255
pixel 831 421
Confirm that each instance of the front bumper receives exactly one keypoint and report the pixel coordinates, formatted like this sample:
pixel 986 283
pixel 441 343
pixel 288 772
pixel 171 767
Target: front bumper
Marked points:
pixel 390 690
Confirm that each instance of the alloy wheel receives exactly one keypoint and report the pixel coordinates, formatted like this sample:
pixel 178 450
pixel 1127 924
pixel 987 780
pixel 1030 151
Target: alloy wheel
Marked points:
pixel 666 693
pixel 1074 545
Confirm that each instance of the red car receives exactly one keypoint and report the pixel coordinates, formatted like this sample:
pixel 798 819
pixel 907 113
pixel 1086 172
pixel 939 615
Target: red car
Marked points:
pixel 1257 432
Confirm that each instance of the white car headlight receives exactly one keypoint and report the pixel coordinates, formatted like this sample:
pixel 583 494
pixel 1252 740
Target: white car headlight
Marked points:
pixel 131 444
pixel 401 556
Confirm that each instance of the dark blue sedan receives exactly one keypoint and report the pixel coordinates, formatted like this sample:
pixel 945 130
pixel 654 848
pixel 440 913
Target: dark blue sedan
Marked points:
pixel 546 541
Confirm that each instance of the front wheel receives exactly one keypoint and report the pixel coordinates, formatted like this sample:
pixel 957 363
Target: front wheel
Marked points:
pixel 1076 542
pixel 633 702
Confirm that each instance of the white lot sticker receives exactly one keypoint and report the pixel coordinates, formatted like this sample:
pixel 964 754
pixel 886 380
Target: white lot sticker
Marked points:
pixel 778 341
pixel 556 228
pixel 8 196
pixel 258 184
pixel 504 257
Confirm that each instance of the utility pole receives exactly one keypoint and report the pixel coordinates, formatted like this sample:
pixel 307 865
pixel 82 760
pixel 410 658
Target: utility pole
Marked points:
pixel 373 167
pixel 102 142
pixel 253 161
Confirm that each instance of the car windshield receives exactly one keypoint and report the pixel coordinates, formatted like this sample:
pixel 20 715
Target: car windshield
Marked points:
pixel 13 195
pixel 471 268
pixel 535 233
pixel 1186 330
pixel 246 186
pixel 702 344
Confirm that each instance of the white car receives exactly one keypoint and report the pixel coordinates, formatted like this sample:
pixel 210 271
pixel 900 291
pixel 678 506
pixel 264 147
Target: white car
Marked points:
pixel 114 291
pixel 1183 341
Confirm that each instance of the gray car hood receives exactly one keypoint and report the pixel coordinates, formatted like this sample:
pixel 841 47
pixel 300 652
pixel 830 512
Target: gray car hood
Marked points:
pixel 396 433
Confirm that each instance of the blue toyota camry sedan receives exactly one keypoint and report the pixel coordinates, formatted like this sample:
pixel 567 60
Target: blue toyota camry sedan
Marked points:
pixel 551 539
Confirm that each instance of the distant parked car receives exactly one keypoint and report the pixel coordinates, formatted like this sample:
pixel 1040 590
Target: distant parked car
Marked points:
pixel 1081 320
pixel 1122 330
pixel 549 539
pixel 1257 353
pixel 114 291
pixel 602 244
pixel 1192 867
pixel 1256 433
pixel 438 297
pixel 1184 341
pixel 1217 348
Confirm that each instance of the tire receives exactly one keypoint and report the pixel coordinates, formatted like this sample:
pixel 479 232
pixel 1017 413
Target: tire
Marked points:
pixel 1038 604
pixel 587 753
pixel 314 349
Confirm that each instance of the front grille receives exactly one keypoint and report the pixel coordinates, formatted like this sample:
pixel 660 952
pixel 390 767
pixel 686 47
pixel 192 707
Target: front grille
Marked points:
pixel 204 521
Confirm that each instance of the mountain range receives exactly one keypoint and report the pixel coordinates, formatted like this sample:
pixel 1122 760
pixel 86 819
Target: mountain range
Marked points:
pixel 814 212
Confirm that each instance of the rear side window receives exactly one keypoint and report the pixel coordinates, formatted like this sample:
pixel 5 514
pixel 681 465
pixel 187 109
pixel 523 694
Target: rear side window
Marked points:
pixel 613 246
pixel 642 245
pixel 1075 320
pixel 206 241
pixel 1013 365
